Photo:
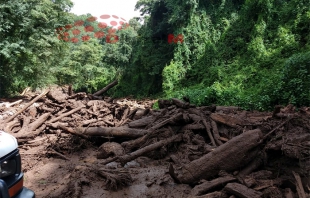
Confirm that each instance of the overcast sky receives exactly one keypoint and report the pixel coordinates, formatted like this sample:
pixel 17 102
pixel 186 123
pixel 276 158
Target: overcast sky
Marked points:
pixel 121 8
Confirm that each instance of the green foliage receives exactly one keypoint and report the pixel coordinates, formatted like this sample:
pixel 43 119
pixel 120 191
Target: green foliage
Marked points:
pixel 234 52
pixel 28 43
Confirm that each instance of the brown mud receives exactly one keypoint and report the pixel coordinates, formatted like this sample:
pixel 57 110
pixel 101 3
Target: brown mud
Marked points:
pixel 81 145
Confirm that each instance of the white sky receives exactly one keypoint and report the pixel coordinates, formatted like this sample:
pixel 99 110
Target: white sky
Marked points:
pixel 121 8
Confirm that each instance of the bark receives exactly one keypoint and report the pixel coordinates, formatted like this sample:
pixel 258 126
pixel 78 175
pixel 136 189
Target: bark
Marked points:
pixel 209 185
pixel 124 132
pixel 230 156
pixel 131 156
pixel 242 191
pixel 105 89
pixel 26 106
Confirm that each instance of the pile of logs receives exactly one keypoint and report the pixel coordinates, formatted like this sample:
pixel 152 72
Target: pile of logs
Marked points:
pixel 221 151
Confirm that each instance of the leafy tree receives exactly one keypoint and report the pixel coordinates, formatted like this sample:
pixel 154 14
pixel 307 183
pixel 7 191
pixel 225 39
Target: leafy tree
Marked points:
pixel 28 44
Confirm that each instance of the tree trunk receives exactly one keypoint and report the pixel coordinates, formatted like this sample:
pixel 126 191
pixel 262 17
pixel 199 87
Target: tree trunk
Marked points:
pixel 230 156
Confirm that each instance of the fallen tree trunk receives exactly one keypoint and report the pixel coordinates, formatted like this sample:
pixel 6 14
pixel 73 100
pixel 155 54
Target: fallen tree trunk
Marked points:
pixel 129 145
pixel 131 156
pixel 230 156
pixel 66 114
pixel 113 132
pixel 105 89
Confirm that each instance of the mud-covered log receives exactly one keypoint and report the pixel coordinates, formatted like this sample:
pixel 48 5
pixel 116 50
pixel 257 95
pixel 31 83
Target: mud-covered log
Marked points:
pixel 66 114
pixel 26 106
pixel 122 131
pixel 216 133
pixel 105 89
pixel 131 156
pixel 230 156
pixel 226 119
pixel 151 131
pixel 141 122
pixel 209 185
pixel 180 103
pixel 242 191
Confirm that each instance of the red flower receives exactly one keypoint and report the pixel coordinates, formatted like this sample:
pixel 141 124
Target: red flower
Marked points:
pixel 74 40
pixel 111 31
pixel 89 28
pixel 66 34
pixel 170 38
pixel 85 38
pixel 92 18
pixel 178 38
pixel 99 35
pixel 65 38
pixel 68 27
pixel 79 23
pixel 102 25
pixel 111 39
pixel 76 32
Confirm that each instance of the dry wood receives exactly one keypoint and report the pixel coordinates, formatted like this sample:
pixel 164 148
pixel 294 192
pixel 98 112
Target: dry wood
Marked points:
pixel 131 156
pixel 105 89
pixel 299 187
pixel 242 191
pixel 66 114
pixel 230 156
pixel 26 106
pixel 216 133
pixel 209 185
pixel 113 132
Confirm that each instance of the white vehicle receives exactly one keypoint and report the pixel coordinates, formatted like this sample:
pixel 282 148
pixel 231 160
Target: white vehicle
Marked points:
pixel 11 176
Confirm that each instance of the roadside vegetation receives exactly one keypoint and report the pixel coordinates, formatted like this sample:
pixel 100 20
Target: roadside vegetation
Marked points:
pixel 249 53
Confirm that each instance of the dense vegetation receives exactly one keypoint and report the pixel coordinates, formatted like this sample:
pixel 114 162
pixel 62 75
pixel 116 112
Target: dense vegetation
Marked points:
pixel 250 53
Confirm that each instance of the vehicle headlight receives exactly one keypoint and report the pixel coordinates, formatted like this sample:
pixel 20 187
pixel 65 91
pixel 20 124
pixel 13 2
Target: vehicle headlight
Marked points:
pixel 7 168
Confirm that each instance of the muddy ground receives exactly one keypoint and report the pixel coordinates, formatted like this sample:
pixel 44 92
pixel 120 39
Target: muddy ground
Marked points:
pixel 62 158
